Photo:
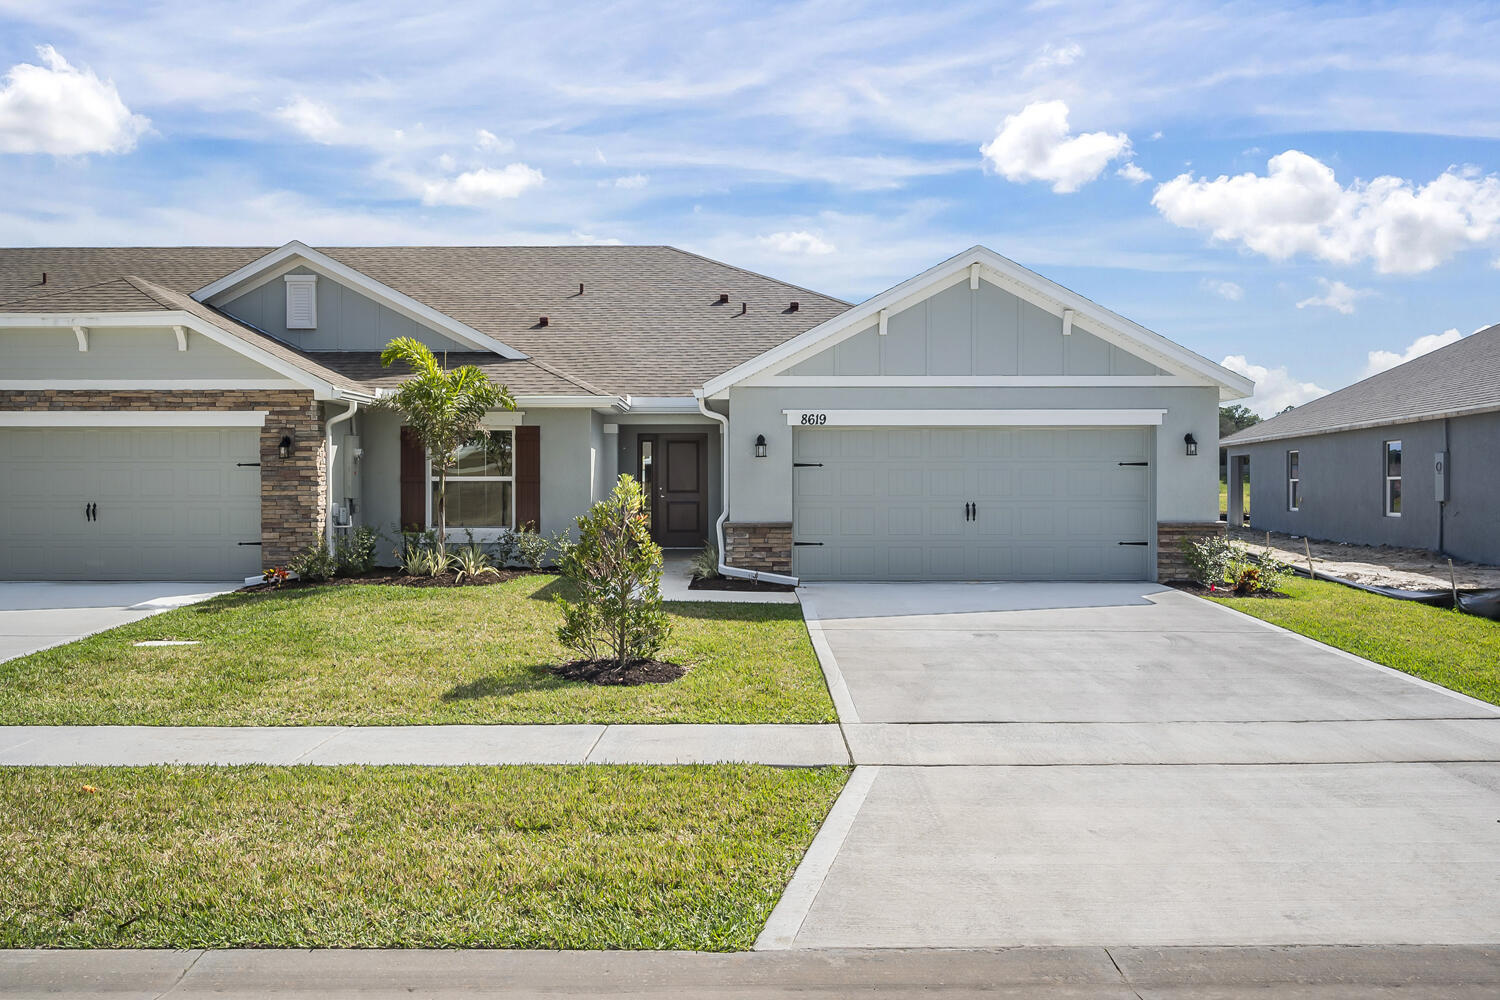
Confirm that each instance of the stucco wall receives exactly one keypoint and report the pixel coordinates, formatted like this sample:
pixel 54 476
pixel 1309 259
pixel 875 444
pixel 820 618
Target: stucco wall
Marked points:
pixel 761 489
pixel 124 353
pixel 347 320
pixel 1343 487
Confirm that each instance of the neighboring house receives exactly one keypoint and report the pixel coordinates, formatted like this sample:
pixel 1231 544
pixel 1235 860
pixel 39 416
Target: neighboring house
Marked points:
pixel 1408 457
pixel 201 413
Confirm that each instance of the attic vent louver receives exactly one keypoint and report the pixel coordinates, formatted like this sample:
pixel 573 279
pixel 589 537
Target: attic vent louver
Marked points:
pixel 795 307
pixel 301 301
pixel 723 298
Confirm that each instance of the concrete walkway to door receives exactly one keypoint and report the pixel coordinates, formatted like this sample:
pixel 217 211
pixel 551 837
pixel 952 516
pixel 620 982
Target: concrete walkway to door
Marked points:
pixel 1135 766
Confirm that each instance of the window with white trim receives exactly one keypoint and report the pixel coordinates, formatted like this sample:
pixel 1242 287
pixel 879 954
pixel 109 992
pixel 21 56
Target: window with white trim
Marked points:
pixel 1293 480
pixel 481 484
pixel 1393 479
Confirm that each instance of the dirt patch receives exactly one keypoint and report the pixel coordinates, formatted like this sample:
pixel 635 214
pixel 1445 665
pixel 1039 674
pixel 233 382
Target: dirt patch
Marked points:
pixel 1197 588
pixel 608 673
pixel 1377 565
pixel 395 578
pixel 733 583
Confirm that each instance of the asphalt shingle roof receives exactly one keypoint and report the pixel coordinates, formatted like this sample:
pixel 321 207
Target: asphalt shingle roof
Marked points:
pixel 648 322
pixel 1462 377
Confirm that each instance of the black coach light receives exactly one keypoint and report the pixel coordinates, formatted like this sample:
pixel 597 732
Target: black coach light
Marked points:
pixel 284 449
pixel 760 446
pixel 1192 444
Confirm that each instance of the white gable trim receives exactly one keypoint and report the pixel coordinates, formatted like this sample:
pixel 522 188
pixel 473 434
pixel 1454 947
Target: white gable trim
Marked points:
pixel 1011 277
pixel 321 388
pixel 296 253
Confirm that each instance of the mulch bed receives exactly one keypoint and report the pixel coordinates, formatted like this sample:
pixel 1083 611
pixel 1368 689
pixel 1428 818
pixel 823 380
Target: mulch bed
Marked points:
pixel 395 578
pixel 607 673
pixel 734 583
pixel 1202 591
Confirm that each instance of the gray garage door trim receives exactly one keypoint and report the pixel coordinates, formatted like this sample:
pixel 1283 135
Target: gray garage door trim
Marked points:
pixel 155 496
pixel 974 503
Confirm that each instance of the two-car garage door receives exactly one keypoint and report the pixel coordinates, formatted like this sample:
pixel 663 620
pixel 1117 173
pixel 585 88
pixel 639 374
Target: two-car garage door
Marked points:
pixel 972 503
pixel 129 503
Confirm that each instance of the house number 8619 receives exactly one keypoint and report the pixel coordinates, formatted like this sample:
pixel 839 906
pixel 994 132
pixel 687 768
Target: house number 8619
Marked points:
pixel 814 418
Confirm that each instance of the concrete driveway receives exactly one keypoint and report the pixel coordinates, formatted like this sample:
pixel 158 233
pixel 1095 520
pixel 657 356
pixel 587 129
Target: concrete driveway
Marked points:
pixel 36 616
pixel 1053 764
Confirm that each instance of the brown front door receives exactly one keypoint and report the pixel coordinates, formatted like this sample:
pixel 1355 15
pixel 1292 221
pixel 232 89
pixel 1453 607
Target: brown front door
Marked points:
pixel 673 469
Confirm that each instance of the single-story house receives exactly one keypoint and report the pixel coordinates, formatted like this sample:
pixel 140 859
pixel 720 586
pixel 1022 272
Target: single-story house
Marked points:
pixel 204 412
pixel 1408 457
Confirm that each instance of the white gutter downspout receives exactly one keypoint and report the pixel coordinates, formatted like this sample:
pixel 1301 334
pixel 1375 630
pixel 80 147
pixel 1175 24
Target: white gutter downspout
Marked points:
pixel 328 458
pixel 724 568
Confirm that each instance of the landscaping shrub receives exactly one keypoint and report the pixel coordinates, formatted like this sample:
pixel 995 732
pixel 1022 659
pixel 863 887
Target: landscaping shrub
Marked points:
pixel 706 563
pixel 1220 564
pixel 316 564
pixel 616 570
pixel 471 561
pixel 355 554
pixel 531 546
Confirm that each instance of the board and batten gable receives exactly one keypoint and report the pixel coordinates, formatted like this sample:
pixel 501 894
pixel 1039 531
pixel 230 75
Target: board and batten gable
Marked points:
pixel 347 319
pixel 964 332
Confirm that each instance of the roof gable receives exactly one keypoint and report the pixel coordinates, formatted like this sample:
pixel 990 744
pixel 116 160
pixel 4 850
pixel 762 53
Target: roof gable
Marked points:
pixel 296 254
pixel 1121 348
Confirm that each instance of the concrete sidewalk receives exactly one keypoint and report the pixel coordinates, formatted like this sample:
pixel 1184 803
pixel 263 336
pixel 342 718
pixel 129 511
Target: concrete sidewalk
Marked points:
pixel 784 745
pixel 1095 973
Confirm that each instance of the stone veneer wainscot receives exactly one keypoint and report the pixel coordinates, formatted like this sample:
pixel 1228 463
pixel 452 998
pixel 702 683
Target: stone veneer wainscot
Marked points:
pixel 1171 564
pixel 762 546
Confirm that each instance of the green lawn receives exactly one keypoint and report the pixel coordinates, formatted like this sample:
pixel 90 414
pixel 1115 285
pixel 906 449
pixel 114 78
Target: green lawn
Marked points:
pixel 385 655
pixel 406 857
pixel 1455 650
pixel 1224 498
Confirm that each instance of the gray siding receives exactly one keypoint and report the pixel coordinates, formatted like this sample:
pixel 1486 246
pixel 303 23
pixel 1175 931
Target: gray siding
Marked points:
pixel 1343 487
pixel 761 489
pixel 983 332
pixel 347 320
pixel 134 353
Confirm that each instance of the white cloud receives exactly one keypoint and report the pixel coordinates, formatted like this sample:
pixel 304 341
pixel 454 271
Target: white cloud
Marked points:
pixel 1299 207
pixel 55 108
pixel 800 243
pixel 1133 173
pixel 1275 389
pixel 313 119
pixel 1379 361
pixel 631 182
pixel 1224 289
pixel 1056 55
pixel 491 143
pixel 476 187
pixel 1034 145
pixel 589 239
pixel 1336 295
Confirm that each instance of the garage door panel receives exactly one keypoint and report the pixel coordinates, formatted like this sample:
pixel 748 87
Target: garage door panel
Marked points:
pixel 171 503
pixel 908 521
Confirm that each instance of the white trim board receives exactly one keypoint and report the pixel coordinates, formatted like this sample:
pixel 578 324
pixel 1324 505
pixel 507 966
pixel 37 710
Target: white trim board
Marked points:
pixel 1013 278
pixel 813 419
pixel 133 418
pixel 118 384
pixel 296 253
pixel 972 381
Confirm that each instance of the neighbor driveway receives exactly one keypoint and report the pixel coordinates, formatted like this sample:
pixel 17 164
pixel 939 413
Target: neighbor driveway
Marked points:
pixel 1112 764
pixel 35 615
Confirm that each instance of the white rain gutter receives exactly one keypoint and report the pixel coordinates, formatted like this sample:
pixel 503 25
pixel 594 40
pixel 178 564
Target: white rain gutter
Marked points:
pixel 328 458
pixel 724 568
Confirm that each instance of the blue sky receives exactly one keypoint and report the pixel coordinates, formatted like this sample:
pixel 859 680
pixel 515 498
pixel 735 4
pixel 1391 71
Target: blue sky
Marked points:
pixel 1306 190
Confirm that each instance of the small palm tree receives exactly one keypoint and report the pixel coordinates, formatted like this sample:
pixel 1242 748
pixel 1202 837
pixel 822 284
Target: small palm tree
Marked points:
pixel 445 407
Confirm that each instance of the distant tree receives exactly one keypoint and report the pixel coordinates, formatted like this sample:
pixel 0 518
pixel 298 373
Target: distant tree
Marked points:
pixel 1286 409
pixel 1236 418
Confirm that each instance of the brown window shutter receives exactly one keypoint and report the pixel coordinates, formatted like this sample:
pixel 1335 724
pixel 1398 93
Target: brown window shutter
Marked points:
pixel 414 481
pixel 529 476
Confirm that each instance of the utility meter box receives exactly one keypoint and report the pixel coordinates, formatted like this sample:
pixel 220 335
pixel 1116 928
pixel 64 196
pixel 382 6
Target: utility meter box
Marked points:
pixel 1440 476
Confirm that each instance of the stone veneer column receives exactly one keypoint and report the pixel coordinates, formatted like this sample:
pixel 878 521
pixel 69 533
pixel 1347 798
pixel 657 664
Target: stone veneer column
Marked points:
pixel 1171 564
pixel 293 492
pixel 762 546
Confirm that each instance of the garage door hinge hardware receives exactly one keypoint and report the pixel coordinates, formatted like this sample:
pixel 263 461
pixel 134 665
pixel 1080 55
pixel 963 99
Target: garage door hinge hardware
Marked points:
pixel 257 543
pixel 807 543
pixel 243 465
pixel 807 465
pixel 1132 543
pixel 1132 463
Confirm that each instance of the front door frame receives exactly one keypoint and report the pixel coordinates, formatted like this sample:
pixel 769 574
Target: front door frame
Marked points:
pixel 659 443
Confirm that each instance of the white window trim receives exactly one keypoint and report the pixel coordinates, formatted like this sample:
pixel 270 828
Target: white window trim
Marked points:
pixel 134 418
pixel 485 534
pixel 1291 480
pixel 973 418
pixel 1385 467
